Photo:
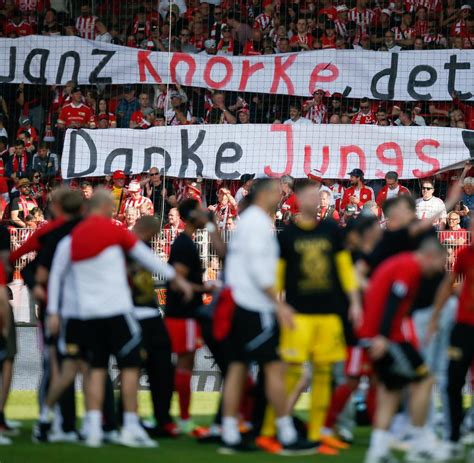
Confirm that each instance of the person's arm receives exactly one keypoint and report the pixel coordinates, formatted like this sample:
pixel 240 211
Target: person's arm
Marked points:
pixel 445 290
pixel 16 219
pixel 350 284
pixel 229 117
pixel 59 268
pixel 144 255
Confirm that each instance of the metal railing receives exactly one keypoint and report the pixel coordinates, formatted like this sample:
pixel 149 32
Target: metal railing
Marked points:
pixel 454 241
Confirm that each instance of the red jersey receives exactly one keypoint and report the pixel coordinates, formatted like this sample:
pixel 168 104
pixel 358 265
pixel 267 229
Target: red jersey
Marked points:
pixel 363 18
pixel 262 22
pixel 140 120
pixel 361 118
pixel 290 204
pixel 400 275
pixel 317 113
pixel 305 39
pixel 249 49
pixel 80 115
pixel 464 266
pixel 364 194
pixel 18 30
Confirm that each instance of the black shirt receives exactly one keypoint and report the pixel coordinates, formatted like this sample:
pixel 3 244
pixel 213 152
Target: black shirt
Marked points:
pixel 156 198
pixel 184 251
pixel 311 280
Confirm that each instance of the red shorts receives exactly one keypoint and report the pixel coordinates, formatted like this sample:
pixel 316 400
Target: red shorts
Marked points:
pixel 358 362
pixel 185 334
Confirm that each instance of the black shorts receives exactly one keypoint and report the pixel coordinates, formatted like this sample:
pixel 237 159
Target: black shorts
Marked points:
pixel 254 337
pixel 11 344
pixel 400 366
pixel 70 342
pixel 119 336
pixel 155 336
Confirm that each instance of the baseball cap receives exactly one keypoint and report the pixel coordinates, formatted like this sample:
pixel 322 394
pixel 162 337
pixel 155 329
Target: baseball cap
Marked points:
pixel 25 121
pixel 76 89
pixel 316 175
pixel 176 95
pixel 147 111
pixel 356 173
pixel 118 175
pixel 246 177
pixel 386 11
pixel 134 187
pixel 128 89
pixel 341 8
pixel 320 91
pixel 336 95
pixel 466 7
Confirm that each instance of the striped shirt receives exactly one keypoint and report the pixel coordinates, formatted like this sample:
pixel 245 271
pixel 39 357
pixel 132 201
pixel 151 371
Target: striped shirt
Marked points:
pixel 85 26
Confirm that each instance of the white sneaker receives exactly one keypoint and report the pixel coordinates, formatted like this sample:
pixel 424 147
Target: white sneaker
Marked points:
pixel 94 439
pixel 436 453
pixel 14 424
pixel 371 458
pixel 345 434
pixel 136 436
pixel 4 440
pixel 61 436
pixel 468 439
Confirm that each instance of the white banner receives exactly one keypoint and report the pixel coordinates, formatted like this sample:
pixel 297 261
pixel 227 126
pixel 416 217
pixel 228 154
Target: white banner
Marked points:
pixel 228 151
pixel 408 75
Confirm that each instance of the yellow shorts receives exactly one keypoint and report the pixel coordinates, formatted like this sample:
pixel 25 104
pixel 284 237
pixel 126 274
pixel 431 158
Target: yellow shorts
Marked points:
pixel 317 338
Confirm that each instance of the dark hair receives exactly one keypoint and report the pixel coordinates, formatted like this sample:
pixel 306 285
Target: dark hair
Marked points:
pixel 260 185
pixel 303 184
pixel 4 140
pixel 391 175
pixel 186 207
pixel 71 201
pixel 148 223
pixel 19 143
pixel 42 145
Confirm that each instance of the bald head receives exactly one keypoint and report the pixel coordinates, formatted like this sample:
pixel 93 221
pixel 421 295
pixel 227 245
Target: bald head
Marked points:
pixel 102 203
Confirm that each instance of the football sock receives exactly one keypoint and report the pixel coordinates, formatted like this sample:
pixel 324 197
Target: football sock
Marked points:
pixel 182 380
pixel 320 398
pixel 230 430
pixel 339 400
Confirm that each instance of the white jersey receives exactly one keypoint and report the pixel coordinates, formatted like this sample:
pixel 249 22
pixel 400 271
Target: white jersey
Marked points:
pixel 301 120
pixel 429 208
pixel 252 259
pixel 95 254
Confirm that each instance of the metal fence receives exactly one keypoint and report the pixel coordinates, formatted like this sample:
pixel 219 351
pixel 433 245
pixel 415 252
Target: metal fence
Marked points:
pixel 454 241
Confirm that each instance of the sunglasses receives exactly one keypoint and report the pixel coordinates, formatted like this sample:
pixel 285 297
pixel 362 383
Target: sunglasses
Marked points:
pixel 154 175
pixel 364 107
pixel 36 176
pixel 185 35
pixel 427 188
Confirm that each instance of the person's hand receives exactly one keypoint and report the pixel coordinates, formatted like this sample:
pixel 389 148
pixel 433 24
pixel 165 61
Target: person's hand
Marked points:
pixel 379 347
pixel 285 315
pixel 53 324
pixel 184 287
pixel 211 285
pixel 355 200
pixel 212 208
pixel 356 314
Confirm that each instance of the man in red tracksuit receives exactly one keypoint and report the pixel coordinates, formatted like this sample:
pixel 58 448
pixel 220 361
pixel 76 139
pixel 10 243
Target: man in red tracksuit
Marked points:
pixel 358 193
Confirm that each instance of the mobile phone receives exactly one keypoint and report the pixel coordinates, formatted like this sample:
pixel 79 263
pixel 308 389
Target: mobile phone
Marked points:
pixel 461 204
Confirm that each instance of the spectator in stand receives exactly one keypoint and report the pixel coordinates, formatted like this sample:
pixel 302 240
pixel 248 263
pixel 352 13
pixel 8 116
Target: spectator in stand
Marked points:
pixel 326 210
pixel 17 26
pixel 254 45
pixel 3 130
pixel 363 18
pixel 18 164
pixel 467 201
pixel 76 115
pixel 126 107
pixel 22 204
pixel 389 42
pixel 365 114
pixel 429 205
pixel 392 188
pixel 118 189
pixel 102 35
pixel 159 192
pixel 138 118
pixel 264 20
pixel 226 207
pixel 87 190
pixel 466 108
pixel 295 116
pixel 379 30
pixel 241 32
pixel 247 180
pixel 50 25
pixel 25 126
pixel 37 188
pixel 130 217
pixel 136 200
pixel 382 118
pixel 177 104
pixel 186 46
pixel 85 23
pixel 405 119
pixel 405 33
pixel 243 114
pixel 288 206
pixel 175 225
pixel 458 28
pixel 227 45
pixel 218 113
pixel 104 114
pixel 358 193
pixel 45 162
pixel 302 40
pixel 315 110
